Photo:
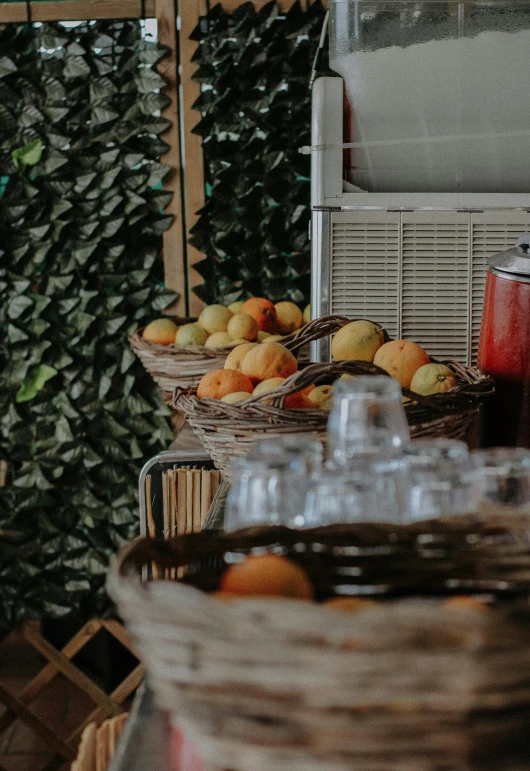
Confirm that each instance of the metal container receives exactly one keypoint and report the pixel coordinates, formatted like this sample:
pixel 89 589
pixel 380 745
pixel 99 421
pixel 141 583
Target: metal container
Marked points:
pixel 438 93
pixel 504 349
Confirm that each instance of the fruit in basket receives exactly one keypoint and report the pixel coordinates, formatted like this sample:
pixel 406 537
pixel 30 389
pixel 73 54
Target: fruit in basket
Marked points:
pixel 220 382
pixel 263 311
pixel 242 327
pixel 267 385
pixel 320 394
pixel 433 379
pixel 234 398
pixel 262 336
pixel 191 334
pixel 269 360
pixel 401 359
pixel 298 401
pixel 267 575
pixel 289 317
pixel 357 341
pixel 234 360
pixel 349 604
pixel 273 338
pixel 306 315
pixel 215 318
pixel 162 331
pixel 218 340
pixel 463 602
pixel 236 307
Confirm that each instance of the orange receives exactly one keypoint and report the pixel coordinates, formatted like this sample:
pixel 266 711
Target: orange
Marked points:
pixel 220 382
pixel 298 401
pixel 234 360
pixel 242 326
pixel 215 318
pixel 289 317
pixel 267 385
pixel 463 602
pixel 263 311
pixel 357 341
pixel 433 379
pixel 268 360
pixel 320 394
pixel 162 331
pixel 218 340
pixel 267 575
pixel 401 359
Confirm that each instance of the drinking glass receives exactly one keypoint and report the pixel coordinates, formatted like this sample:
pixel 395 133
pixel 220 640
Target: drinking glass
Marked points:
pixel 501 480
pixel 436 490
pixel 268 486
pixel 304 455
pixel 436 452
pixel 368 494
pixel 367 419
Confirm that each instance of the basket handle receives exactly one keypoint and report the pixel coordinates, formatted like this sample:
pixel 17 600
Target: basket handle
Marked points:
pixel 314 374
pixel 319 328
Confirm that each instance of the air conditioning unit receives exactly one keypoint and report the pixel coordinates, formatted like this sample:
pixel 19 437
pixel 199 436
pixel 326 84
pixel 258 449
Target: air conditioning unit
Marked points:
pixel 415 262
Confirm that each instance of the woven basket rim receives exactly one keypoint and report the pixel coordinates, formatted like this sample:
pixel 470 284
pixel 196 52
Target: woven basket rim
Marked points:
pixel 270 404
pixel 182 549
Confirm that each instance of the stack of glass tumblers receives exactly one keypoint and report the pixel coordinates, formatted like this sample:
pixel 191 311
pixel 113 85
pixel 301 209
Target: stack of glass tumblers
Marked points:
pixel 374 472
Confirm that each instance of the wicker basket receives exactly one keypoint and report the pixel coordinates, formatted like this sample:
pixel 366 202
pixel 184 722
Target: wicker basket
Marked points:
pixel 403 685
pixel 227 431
pixel 183 366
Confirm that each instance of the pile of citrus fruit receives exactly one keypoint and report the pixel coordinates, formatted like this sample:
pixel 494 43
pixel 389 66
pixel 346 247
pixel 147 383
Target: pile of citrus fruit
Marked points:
pixel 271 575
pixel 406 361
pixel 220 326
pixel 254 369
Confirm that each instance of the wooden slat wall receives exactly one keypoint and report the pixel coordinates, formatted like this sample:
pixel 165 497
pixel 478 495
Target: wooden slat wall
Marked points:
pixel 174 246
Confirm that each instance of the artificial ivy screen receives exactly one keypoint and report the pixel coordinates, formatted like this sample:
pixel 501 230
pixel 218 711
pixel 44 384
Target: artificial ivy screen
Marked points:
pixel 254 68
pixel 81 218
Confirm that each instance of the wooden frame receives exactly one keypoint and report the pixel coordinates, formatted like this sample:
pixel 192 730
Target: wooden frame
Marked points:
pixel 60 661
pixel 174 250
pixel 190 12
pixel 73 10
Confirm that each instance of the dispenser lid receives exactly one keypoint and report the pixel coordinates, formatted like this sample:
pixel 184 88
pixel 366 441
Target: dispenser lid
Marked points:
pixel 515 260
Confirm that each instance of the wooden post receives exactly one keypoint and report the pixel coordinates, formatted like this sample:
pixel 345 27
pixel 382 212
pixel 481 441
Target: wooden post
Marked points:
pixel 190 12
pixel 174 246
pixel 73 10
pixel 284 5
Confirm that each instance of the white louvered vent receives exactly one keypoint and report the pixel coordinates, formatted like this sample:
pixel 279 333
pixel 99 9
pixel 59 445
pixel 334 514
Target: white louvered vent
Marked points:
pixel 365 275
pixel 491 233
pixel 421 274
pixel 435 283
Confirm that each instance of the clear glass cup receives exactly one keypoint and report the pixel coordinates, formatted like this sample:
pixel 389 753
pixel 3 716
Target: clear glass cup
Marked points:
pixel 435 452
pixel 371 493
pixel 305 455
pixel 501 480
pixel 269 485
pixel 367 419
pixel 438 490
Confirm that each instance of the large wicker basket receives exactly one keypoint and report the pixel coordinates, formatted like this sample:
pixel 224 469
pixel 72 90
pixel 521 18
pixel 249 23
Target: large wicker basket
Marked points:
pixel 228 431
pixel 402 685
pixel 183 366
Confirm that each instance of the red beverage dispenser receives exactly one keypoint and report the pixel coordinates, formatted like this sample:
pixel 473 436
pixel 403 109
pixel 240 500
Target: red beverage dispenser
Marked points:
pixel 504 349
